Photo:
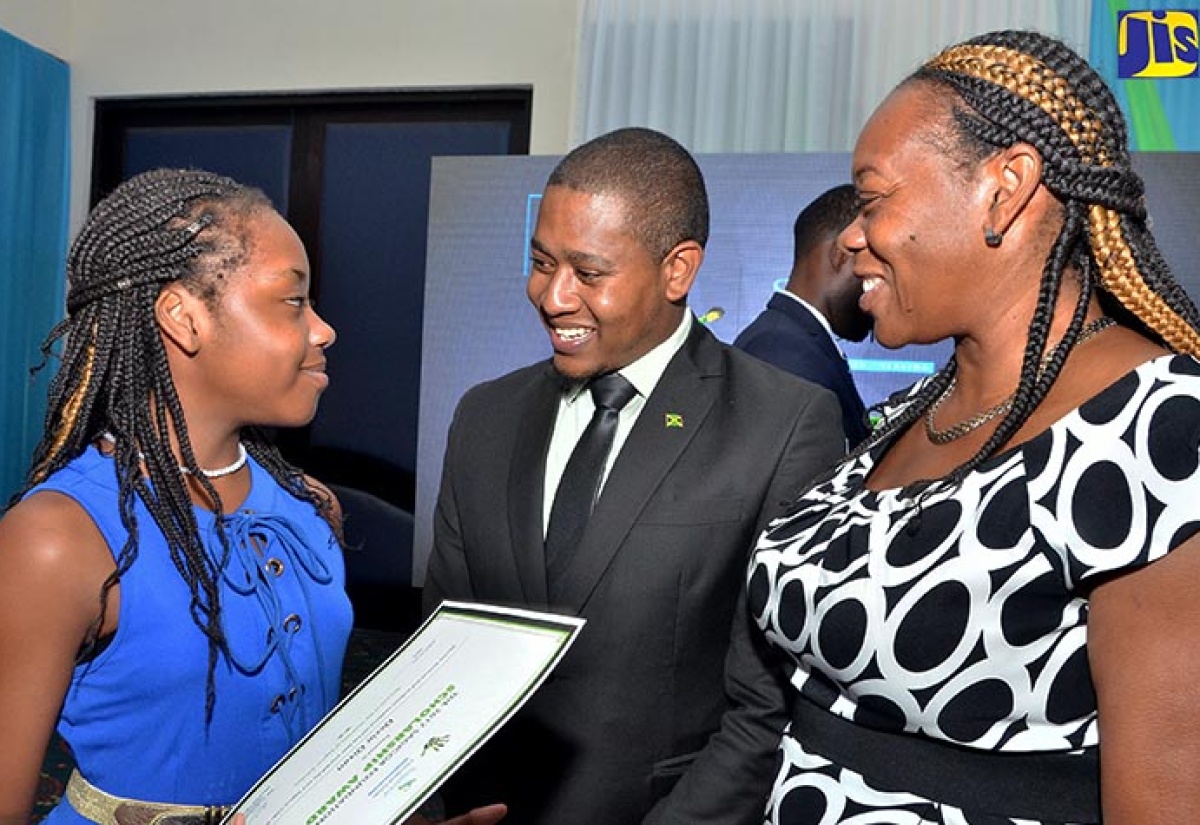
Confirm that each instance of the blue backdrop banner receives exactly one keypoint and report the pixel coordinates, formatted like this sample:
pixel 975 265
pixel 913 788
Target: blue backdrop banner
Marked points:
pixel 34 187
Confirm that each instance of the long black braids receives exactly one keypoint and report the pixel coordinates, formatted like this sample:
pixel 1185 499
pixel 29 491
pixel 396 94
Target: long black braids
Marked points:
pixel 114 380
pixel 1020 86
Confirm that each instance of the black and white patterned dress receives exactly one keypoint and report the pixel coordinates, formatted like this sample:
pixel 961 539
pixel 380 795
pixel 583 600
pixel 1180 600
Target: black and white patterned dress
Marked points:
pixel 966 619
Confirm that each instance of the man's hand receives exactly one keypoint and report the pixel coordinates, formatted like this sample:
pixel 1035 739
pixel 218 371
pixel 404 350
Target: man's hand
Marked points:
pixel 487 815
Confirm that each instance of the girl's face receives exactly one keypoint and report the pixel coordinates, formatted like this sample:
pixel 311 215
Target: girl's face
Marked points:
pixel 262 357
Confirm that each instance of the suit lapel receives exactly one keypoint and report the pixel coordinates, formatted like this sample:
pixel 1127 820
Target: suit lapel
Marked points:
pixel 848 390
pixel 526 481
pixel 686 395
pixel 812 326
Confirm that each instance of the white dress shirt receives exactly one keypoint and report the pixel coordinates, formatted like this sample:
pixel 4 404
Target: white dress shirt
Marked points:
pixel 575 409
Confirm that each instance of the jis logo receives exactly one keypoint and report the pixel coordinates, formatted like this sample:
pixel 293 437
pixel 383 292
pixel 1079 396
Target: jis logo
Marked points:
pixel 1157 44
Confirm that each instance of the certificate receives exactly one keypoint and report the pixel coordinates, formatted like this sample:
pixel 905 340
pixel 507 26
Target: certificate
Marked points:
pixel 391 743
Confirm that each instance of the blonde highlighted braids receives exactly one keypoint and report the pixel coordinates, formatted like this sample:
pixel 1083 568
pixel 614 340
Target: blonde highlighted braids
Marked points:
pixel 1102 161
pixel 1014 87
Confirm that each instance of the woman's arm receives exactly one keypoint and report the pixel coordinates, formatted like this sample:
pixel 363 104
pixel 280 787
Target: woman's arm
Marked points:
pixel 53 562
pixel 1144 650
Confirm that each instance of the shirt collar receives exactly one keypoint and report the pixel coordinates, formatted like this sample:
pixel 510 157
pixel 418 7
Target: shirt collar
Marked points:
pixel 814 312
pixel 645 372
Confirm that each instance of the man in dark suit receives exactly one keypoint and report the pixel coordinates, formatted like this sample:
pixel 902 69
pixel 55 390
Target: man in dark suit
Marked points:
pixel 712 445
pixel 796 331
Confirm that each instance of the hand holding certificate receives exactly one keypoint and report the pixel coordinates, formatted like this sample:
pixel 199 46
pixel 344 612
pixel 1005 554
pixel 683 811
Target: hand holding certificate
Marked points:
pixel 392 742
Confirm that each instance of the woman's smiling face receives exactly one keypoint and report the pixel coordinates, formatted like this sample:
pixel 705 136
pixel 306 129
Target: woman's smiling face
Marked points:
pixel 918 235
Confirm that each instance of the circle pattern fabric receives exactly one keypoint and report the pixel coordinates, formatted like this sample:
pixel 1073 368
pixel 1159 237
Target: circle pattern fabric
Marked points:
pixel 960 613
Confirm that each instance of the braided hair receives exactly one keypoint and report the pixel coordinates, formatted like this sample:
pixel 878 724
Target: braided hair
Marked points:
pixel 157 228
pixel 1024 87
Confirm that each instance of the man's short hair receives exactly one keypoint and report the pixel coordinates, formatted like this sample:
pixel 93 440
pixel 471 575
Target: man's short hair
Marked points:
pixel 657 178
pixel 827 215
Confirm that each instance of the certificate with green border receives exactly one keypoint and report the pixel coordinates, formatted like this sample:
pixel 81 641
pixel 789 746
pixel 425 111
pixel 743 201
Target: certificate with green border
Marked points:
pixel 391 743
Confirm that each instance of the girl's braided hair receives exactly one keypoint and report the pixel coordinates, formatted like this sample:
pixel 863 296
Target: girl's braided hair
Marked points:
pixel 1024 87
pixel 158 227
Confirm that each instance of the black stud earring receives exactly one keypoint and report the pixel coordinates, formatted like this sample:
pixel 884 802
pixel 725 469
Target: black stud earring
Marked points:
pixel 992 238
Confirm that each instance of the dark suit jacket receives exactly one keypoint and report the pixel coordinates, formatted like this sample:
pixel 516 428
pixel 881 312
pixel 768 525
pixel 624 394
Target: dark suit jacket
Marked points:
pixel 787 335
pixel 659 576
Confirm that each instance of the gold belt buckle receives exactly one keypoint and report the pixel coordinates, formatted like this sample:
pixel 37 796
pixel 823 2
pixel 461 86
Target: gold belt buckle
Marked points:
pixel 137 813
pixel 106 809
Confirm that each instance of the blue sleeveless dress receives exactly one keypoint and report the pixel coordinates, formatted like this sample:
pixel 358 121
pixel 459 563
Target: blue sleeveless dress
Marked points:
pixel 134 715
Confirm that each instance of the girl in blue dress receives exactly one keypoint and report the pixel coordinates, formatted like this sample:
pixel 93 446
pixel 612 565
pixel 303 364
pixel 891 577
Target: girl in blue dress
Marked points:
pixel 171 589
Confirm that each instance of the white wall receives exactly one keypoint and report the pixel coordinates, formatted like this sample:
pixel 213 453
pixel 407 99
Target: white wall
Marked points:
pixel 42 23
pixel 124 48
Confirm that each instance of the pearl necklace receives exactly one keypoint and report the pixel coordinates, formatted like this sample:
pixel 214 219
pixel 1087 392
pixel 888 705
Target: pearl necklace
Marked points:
pixel 976 421
pixel 218 472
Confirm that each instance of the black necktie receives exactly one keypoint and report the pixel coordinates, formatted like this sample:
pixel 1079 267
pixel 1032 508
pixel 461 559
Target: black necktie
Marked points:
pixel 580 484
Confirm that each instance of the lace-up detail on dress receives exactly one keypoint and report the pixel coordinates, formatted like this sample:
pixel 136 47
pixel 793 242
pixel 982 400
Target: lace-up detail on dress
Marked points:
pixel 264 549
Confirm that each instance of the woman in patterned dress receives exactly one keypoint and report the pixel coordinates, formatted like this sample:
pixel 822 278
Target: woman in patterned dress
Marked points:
pixel 988 613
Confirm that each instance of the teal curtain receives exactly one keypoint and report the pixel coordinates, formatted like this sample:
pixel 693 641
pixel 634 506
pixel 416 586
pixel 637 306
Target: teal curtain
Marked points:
pixel 1163 113
pixel 34 187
